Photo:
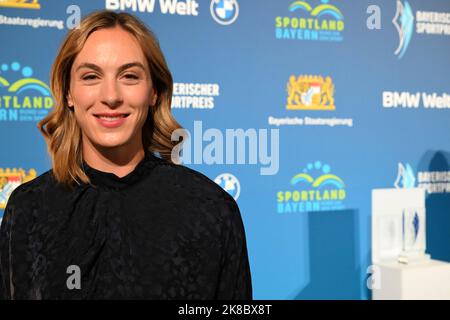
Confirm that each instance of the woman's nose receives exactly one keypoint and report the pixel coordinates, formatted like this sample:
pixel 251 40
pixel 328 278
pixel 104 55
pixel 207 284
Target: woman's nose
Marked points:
pixel 111 94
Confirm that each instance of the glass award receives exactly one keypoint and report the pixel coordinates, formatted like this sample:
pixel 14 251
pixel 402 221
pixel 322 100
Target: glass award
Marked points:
pixel 398 225
pixel 413 235
pixel 389 229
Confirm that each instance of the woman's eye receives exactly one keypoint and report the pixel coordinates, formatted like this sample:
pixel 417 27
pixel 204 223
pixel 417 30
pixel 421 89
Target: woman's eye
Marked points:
pixel 90 77
pixel 93 77
pixel 131 76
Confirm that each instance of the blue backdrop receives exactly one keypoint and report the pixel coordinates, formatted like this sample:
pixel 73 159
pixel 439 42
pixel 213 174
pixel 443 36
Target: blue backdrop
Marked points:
pixel 344 92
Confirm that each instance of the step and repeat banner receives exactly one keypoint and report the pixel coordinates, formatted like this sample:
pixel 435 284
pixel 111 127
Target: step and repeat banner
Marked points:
pixel 299 109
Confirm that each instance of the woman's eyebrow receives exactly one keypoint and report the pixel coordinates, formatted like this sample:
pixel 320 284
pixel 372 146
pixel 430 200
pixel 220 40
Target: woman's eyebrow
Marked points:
pixel 120 69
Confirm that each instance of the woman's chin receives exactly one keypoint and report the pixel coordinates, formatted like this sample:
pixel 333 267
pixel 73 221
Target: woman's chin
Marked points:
pixel 111 143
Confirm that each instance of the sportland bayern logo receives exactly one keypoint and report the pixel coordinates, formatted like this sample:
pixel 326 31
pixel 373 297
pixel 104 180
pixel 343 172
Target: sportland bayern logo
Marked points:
pixel 316 188
pixel 224 12
pixel 22 96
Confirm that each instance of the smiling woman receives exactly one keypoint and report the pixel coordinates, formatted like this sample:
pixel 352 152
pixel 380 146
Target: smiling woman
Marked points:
pixel 108 91
pixel 109 67
pixel 115 217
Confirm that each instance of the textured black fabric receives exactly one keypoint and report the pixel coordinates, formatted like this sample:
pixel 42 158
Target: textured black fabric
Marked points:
pixel 163 231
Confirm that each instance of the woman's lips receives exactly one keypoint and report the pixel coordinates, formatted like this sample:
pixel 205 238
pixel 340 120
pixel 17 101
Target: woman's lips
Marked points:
pixel 112 120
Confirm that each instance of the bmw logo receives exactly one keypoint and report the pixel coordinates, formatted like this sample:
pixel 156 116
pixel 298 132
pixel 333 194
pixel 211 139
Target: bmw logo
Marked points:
pixel 224 12
pixel 229 183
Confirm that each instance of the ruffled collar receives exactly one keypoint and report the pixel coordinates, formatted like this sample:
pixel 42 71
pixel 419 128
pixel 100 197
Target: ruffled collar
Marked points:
pixel 111 181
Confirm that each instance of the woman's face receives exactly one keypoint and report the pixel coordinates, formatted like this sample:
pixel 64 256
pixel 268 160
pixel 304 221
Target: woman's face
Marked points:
pixel 111 89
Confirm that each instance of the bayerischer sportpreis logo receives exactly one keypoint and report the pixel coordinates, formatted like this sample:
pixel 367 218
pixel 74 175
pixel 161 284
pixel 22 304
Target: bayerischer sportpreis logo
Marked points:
pixel 407 22
pixel 404 23
pixel 323 22
pixel 224 12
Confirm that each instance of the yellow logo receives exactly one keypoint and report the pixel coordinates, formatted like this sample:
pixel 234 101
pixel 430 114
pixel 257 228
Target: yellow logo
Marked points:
pixel 310 93
pixel 11 179
pixel 25 4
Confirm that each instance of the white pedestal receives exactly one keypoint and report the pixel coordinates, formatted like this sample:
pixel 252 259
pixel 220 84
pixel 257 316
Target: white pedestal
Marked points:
pixel 417 281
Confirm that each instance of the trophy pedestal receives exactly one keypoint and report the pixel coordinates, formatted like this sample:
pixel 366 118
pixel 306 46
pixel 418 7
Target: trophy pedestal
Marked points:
pixel 412 257
pixel 420 280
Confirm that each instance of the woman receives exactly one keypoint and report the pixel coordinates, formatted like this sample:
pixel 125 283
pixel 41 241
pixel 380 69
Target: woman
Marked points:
pixel 112 220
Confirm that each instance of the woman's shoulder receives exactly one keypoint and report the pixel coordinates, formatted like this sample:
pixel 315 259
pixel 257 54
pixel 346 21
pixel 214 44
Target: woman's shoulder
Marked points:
pixel 198 195
pixel 178 176
pixel 31 189
pixel 25 198
pixel 187 184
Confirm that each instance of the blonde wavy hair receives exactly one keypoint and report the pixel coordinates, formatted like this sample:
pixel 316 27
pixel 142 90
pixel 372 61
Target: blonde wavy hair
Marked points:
pixel 60 129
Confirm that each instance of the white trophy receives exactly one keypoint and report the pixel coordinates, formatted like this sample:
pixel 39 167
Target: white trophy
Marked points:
pixel 401 268
pixel 398 225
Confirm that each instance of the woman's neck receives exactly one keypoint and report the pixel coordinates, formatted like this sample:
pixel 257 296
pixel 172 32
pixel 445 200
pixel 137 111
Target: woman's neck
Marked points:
pixel 118 160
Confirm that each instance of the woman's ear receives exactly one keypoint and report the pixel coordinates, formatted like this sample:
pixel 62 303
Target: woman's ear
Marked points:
pixel 154 99
pixel 69 100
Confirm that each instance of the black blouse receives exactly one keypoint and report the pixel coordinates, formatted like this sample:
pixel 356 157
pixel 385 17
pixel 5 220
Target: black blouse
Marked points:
pixel 163 231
